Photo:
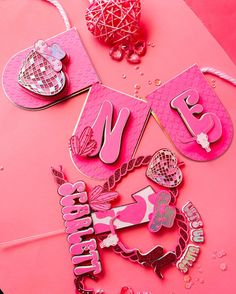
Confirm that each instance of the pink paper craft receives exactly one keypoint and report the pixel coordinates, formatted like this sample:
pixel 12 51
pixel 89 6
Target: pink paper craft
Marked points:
pixel 164 214
pixel 79 71
pixel 127 215
pixel 139 110
pixel 199 126
pixel 109 139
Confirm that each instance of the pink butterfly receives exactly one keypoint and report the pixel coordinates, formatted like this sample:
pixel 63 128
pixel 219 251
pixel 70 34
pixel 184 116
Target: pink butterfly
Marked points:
pixel 83 145
pixel 99 200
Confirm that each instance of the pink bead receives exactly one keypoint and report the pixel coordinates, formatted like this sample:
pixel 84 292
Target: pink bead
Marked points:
pixel 116 53
pixel 127 290
pixel 133 57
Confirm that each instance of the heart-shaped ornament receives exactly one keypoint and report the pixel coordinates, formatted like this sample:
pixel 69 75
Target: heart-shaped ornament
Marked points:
pixel 114 21
pixel 41 71
pixel 163 169
pixel 133 57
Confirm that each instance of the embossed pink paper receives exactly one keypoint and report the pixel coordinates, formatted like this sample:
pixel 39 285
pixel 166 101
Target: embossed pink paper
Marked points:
pixel 208 107
pixel 79 71
pixel 139 112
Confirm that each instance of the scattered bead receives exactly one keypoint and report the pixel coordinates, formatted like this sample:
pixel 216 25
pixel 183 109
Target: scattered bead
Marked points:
pixel 149 43
pixel 219 254
pixel 1 167
pixel 187 278
pixel 157 82
pixel 188 285
pixel 200 270
pixel 149 82
pixel 223 266
pixel 141 73
pixel 213 83
pixel 100 291
pixel 137 86
pixel 124 76
pixel 127 290
pixel 136 67
pixel 153 45
pixel 202 281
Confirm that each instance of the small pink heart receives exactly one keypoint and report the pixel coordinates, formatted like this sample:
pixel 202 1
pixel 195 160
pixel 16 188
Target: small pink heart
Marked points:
pixel 116 53
pixel 163 169
pixel 140 48
pixel 133 57
pixel 127 290
pixel 39 77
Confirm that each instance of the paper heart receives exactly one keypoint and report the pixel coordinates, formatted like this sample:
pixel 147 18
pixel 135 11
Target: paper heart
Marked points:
pixel 163 169
pixel 39 77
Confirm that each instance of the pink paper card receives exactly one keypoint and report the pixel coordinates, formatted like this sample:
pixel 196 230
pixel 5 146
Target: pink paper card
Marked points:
pixel 117 122
pixel 193 115
pixel 79 70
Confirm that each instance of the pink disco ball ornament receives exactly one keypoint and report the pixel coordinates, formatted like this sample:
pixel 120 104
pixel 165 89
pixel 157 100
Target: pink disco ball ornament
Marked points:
pixel 114 21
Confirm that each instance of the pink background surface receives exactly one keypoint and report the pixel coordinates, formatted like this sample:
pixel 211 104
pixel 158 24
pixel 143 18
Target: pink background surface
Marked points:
pixel 219 18
pixel 33 141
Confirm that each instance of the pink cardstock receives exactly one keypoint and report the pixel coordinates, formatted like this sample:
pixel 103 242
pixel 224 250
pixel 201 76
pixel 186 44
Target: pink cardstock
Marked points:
pixel 148 204
pixel 134 124
pixel 189 109
pixel 79 71
pixel 128 215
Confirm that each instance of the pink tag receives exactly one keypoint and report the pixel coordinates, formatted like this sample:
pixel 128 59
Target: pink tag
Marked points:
pixel 111 124
pixel 192 115
pixel 79 71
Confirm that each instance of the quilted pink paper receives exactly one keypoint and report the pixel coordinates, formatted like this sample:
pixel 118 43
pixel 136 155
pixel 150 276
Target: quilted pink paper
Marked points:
pixel 93 166
pixel 170 119
pixel 79 70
